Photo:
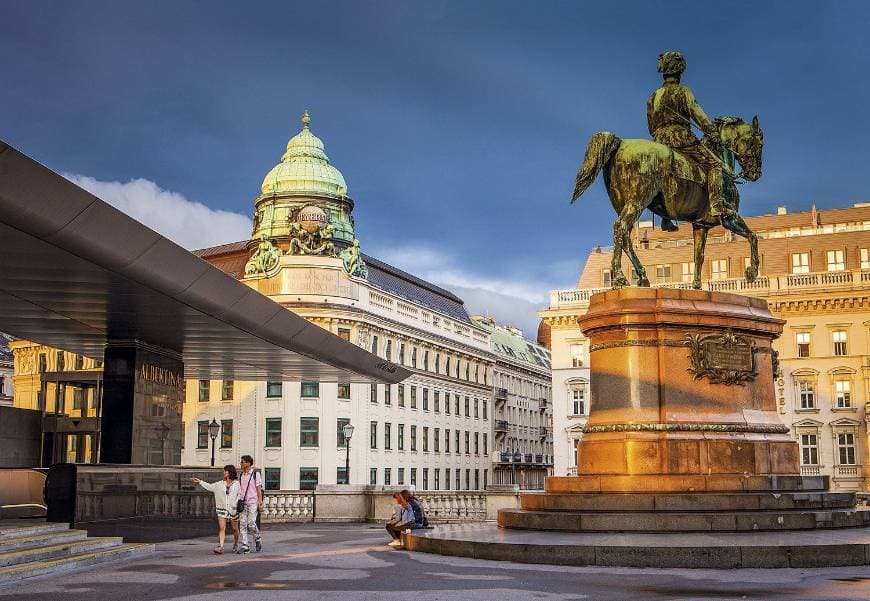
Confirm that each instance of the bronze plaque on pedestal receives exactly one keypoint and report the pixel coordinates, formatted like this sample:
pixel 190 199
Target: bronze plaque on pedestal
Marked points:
pixel 722 358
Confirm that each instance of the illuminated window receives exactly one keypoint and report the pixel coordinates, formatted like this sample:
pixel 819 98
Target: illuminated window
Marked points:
pixel 809 449
pixel 719 269
pixel 802 339
pixel 835 260
pixel 576 355
pixel 688 272
pixel 846 448
pixel 800 263
pixel 843 393
pixel 865 258
pixel 807 394
pixel 344 391
pixel 839 338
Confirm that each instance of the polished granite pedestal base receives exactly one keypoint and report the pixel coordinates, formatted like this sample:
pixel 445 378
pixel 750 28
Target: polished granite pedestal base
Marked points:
pixel 800 549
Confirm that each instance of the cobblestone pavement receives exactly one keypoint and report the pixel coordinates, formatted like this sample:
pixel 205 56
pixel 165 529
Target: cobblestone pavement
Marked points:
pixel 353 561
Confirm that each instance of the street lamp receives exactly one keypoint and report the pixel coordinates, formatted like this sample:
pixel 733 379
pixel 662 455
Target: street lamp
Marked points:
pixel 517 457
pixel 348 432
pixel 214 429
pixel 163 430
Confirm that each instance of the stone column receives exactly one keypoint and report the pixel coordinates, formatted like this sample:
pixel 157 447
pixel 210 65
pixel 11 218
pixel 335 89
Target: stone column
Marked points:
pixel 143 389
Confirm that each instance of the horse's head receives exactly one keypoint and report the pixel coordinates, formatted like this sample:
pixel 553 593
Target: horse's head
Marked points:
pixel 746 141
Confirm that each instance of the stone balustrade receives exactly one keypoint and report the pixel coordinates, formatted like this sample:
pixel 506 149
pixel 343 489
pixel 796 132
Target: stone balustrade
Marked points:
pixel 288 506
pixel 452 507
pixel 762 285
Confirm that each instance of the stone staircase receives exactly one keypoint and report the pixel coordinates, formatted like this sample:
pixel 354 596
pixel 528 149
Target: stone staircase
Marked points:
pixel 38 549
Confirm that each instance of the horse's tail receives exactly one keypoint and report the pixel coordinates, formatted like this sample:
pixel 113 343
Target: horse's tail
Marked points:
pixel 601 146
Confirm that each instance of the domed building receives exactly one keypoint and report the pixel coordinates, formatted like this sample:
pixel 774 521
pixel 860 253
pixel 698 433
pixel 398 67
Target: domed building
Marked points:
pixel 433 431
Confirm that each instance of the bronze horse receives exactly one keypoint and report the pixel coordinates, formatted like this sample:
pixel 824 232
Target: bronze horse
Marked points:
pixel 641 174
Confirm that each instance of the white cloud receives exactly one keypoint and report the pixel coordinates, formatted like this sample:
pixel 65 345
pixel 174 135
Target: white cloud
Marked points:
pixel 514 301
pixel 187 223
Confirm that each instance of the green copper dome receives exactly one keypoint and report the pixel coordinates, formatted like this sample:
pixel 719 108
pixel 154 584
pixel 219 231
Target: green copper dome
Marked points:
pixel 305 168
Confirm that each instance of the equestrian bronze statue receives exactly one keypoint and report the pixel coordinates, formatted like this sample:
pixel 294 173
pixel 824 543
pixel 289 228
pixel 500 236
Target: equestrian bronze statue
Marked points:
pixel 676 175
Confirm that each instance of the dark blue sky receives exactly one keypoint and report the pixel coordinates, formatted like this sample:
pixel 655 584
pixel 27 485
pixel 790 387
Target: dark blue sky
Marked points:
pixel 459 126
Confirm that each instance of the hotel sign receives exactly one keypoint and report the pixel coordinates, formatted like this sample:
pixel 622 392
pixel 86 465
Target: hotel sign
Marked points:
pixel 159 375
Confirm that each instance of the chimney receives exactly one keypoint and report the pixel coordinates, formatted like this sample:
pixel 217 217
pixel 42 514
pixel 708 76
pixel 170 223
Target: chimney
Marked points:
pixel 781 210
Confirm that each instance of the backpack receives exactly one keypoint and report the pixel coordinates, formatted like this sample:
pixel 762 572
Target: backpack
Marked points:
pixel 420 518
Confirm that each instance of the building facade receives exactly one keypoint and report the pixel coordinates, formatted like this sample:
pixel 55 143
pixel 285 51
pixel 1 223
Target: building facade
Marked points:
pixel 432 432
pixel 815 274
pixel 6 370
pixel 522 424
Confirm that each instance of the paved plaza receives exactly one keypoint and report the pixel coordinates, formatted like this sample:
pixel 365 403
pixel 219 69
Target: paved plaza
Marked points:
pixel 325 561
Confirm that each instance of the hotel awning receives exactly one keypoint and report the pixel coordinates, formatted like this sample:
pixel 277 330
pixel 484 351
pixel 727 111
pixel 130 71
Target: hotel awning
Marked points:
pixel 76 273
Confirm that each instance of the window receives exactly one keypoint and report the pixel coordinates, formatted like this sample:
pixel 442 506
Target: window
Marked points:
pixel 468 479
pixel 576 355
pixel 388 352
pixel 426 360
pixel 413 438
pixel 477 443
pixel 846 448
pixel 663 273
pixel 400 480
pixel 273 432
pixel 340 423
pixel 274 390
pixel 413 476
pixel 202 435
pixel 458 479
pixel 425 399
pixel 843 393
pixel 226 433
pixel 373 476
pixel 373 435
pixel 425 439
pixel 272 478
pixel 447 366
pixel 387 475
pixel 308 478
pixel 43 363
pixel 413 397
pixel 456 398
pixel 436 440
pixel 388 397
pixel 835 260
pixel 839 338
pixel 447 478
pixel 309 432
pixel 374 345
pixel 80 362
pixel 61 361
pixel 78 396
pixel 437 363
pixel 310 389
pixel 467 407
pixel 373 393
pixel 467 442
pixel 809 449
pixel 800 263
pixel 606 278
pixel 476 479
pixel 485 445
pixel 425 478
pixel 484 410
pixel 456 442
pixel 447 403
pixel 341 476
pixel 401 395
pixel 865 258
pixel 400 433
pixel 436 400
pixel 344 334
pixel 578 400
pixel 807 394
pixel 476 408
pixel 414 356
pixel 719 269
pixel 437 479
pixel 388 438
pixel 446 441
pixel 802 339
pixel 203 391
pixel 344 391
pixel 402 355
pixel 227 390
pixel 688 272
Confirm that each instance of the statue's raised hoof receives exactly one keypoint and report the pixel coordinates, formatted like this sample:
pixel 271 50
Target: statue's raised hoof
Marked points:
pixel 643 283
pixel 751 273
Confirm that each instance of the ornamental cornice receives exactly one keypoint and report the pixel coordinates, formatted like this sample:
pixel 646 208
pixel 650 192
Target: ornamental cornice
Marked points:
pixel 828 305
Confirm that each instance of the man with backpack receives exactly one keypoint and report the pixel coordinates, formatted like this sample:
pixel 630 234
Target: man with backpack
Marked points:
pixel 250 504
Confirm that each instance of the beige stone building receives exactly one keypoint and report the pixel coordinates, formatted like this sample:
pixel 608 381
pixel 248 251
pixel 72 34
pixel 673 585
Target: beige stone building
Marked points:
pixel 815 273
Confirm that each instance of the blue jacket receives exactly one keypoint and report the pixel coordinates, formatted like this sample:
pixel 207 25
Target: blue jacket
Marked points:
pixel 420 520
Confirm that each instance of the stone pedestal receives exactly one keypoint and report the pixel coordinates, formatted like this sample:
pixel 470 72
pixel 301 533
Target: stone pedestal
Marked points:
pixel 682 396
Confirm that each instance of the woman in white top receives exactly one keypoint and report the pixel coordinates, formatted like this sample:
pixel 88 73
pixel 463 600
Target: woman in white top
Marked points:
pixel 226 497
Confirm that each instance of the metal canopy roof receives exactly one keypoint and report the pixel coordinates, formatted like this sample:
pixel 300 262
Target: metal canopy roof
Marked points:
pixel 76 273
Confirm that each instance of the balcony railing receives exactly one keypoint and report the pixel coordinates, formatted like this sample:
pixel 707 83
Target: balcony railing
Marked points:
pixel 499 394
pixel 500 425
pixel 527 457
pixel 810 470
pixel 543 431
pixel 542 403
pixel 539 459
pixel 847 471
pixel 771 284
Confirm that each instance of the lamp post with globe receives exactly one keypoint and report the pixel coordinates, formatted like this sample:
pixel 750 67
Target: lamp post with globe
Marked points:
pixel 348 432
pixel 214 429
